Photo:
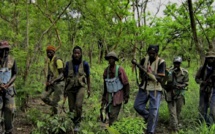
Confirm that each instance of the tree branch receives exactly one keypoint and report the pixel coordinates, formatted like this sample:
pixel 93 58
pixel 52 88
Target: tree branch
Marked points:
pixel 53 24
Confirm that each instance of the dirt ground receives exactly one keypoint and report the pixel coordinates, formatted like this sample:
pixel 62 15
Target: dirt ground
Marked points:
pixel 21 125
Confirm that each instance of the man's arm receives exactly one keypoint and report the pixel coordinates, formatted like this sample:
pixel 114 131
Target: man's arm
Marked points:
pixel 87 71
pixel 126 87
pixel 161 71
pixel 104 101
pixel 186 79
pixel 88 86
pixel 197 77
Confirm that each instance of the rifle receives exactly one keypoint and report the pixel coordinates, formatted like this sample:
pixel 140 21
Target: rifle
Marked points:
pixel 149 75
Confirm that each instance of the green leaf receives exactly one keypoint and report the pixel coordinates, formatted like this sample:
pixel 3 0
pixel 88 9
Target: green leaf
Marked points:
pixel 112 130
pixel 90 124
pixel 63 129
pixel 84 131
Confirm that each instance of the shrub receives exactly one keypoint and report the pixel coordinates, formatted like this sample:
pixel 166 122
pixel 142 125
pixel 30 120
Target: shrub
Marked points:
pixel 57 124
pixel 129 125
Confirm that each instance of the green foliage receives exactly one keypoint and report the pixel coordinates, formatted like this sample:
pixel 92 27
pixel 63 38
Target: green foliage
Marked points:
pixel 29 27
pixel 199 129
pixel 54 124
pixel 112 130
pixel 33 115
pixel 129 125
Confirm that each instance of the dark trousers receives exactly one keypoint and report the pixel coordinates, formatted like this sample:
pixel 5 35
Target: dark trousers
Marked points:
pixel 206 101
pixel 75 100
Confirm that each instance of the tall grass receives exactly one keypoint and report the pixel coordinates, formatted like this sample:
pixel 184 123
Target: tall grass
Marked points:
pixel 128 118
pixel 189 115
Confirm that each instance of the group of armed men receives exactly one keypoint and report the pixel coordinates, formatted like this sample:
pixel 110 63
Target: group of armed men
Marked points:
pixel 73 81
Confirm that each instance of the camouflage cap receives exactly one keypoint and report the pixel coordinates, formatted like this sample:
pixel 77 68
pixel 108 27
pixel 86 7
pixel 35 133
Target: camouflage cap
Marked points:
pixel 4 44
pixel 210 54
pixel 111 54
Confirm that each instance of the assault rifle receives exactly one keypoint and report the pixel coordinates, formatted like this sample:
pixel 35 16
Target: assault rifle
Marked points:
pixel 149 75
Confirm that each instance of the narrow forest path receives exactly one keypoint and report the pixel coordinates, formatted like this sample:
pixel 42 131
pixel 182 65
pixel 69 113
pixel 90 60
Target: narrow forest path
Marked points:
pixel 22 126
pixel 21 123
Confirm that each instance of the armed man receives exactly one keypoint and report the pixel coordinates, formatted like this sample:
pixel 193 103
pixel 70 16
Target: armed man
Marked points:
pixel 152 71
pixel 177 81
pixel 55 81
pixel 8 71
pixel 205 77
pixel 116 87
pixel 77 75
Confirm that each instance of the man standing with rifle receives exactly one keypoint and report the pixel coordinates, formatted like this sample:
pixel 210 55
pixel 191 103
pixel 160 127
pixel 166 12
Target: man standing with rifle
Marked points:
pixel 152 70
pixel 8 71
pixel 55 80
pixel 177 82
pixel 205 77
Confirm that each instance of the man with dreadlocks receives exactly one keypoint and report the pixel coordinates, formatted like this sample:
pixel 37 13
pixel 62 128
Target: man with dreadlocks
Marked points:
pixel 77 74
pixel 8 71
pixel 205 77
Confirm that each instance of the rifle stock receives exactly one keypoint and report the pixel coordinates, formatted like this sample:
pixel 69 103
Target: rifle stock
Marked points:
pixel 150 75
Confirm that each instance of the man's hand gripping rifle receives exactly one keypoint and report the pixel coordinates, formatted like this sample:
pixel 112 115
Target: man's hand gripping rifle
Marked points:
pixel 149 75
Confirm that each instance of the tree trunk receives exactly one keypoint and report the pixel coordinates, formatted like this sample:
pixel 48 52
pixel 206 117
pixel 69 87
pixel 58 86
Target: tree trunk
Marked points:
pixel 100 47
pixel 193 27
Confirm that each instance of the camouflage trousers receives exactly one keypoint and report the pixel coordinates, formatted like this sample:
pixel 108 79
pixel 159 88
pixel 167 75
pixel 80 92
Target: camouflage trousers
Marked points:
pixel 175 107
pixel 54 95
pixel 75 100
pixel 7 109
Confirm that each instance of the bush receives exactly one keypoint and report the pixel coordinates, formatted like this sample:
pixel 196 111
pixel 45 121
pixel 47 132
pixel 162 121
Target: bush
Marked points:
pixel 129 125
pixel 57 124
